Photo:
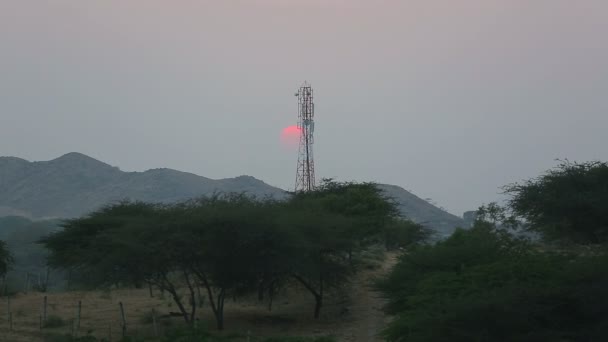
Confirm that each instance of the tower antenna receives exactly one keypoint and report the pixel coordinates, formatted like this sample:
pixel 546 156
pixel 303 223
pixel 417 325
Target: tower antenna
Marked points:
pixel 305 176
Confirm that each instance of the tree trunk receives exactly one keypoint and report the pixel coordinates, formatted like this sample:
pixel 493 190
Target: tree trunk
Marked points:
pixel 318 305
pixel 181 307
pixel 318 295
pixel 319 298
pixel 220 312
pixel 164 283
pixel 192 298
pixel 261 291
pixel 216 306
pixel 270 295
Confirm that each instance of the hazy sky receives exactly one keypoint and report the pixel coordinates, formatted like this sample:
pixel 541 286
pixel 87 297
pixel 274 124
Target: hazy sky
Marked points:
pixel 451 99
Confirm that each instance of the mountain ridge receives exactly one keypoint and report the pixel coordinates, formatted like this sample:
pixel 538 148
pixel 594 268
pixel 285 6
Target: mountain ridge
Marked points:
pixel 75 184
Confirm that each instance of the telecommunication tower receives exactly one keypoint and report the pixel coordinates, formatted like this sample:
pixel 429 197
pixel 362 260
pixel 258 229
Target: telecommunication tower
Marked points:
pixel 305 177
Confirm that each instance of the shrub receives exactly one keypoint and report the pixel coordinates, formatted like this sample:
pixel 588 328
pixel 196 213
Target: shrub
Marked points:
pixel 484 285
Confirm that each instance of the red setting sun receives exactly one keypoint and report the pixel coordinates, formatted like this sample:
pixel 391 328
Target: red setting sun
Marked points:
pixel 290 136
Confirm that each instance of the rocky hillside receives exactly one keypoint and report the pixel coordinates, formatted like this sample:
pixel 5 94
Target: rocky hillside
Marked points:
pixel 75 184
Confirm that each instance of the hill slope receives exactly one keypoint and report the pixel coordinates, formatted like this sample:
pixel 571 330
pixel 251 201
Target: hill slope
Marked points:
pixel 421 211
pixel 75 184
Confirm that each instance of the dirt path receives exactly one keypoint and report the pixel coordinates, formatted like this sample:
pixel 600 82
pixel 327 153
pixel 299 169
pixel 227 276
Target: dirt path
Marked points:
pixel 368 317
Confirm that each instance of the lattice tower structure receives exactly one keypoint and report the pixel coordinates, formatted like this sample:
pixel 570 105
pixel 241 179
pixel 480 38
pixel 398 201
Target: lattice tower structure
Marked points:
pixel 305 176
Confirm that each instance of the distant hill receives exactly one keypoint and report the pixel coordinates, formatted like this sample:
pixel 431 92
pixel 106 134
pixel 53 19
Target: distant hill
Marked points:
pixel 75 184
pixel 421 211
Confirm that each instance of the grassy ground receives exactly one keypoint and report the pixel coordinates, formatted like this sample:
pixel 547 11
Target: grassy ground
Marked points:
pixel 352 314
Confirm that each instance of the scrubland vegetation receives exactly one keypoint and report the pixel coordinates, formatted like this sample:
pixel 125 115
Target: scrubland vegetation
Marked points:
pixel 206 252
pixel 535 269
pixel 490 283
pixel 226 246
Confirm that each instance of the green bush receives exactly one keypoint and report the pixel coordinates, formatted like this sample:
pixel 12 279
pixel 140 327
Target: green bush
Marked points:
pixel 485 285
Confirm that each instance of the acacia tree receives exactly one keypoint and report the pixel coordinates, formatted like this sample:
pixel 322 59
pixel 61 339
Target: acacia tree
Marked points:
pixel 100 244
pixel 567 202
pixel 224 244
pixel 334 222
pixel 363 204
pixel 231 244
pixel 320 260
pixel 124 243
pixel 227 244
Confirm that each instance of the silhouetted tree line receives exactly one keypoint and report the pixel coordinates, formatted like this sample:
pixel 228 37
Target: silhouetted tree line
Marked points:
pixel 229 245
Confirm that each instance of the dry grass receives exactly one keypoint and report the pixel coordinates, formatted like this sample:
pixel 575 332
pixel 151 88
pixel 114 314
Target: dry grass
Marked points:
pixel 352 314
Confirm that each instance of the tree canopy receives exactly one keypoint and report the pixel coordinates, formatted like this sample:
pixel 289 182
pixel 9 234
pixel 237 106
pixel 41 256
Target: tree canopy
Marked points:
pixel 231 244
pixel 568 202
pixel 486 285
pixel 490 283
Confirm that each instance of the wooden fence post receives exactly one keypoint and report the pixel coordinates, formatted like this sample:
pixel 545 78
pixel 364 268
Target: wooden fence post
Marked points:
pixel 44 309
pixel 124 320
pixel 154 323
pixel 8 307
pixel 78 316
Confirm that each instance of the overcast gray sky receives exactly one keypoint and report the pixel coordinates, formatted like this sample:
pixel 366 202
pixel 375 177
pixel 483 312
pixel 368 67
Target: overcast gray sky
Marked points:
pixel 450 99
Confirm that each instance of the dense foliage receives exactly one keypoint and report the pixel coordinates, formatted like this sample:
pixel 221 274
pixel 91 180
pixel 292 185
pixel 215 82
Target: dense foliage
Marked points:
pixel 484 285
pixel 229 245
pixel 489 284
pixel 568 202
